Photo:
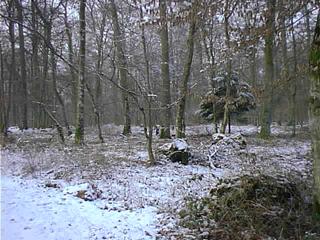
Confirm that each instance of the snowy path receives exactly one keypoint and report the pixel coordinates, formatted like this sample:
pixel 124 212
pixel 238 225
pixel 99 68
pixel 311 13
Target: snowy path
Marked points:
pixel 31 212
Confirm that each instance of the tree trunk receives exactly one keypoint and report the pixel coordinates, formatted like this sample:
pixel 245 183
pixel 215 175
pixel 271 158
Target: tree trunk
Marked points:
pixel 229 71
pixel 293 84
pixel 119 41
pixel 308 29
pixel 58 96
pixel 79 135
pixel 283 34
pixel 253 66
pixel 23 69
pixel 3 100
pixel 35 69
pixel 44 95
pixel 100 60
pixel 266 110
pixel 96 112
pixel 165 98
pixel 55 121
pixel 180 117
pixel 315 110
pixel 147 119
pixel 12 73
pixel 211 59
pixel 71 61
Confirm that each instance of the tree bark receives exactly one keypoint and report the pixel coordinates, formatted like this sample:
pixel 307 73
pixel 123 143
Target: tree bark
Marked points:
pixel 314 110
pixel 23 69
pixel 12 71
pixel 74 81
pixel 209 50
pixel 96 112
pixel 3 101
pixel 293 84
pixel 35 69
pixel 119 41
pixel 308 29
pixel 57 94
pixel 180 117
pixel 56 122
pixel 266 110
pixel 147 118
pixel 79 135
pixel 226 113
pixel 165 98
pixel 44 95
pixel 100 60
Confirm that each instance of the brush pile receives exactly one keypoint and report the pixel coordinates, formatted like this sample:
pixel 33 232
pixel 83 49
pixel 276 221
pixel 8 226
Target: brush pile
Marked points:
pixel 252 207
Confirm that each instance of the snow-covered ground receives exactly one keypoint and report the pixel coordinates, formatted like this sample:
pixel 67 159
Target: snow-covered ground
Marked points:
pixel 30 211
pixel 44 183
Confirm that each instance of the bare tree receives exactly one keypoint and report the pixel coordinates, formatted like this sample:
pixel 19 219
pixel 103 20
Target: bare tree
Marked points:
pixel 266 111
pixel 3 99
pixel 79 135
pixel 226 114
pixel 119 41
pixel 315 110
pixel 293 82
pixel 148 121
pixel 180 117
pixel 35 65
pixel 165 118
pixel 6 97
pixel 73 74
pixel 23 68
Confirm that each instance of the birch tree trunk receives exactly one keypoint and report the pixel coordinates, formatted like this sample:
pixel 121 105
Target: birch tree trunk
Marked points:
pixel 165 98
pixel 266 110
pixel 79 135
pixel 314 110
pixel 119 41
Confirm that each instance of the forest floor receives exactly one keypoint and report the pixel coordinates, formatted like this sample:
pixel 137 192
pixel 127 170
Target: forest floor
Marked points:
pixel 108 191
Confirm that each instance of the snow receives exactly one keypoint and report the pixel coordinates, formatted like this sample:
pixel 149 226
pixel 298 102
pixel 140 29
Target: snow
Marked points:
pixel 30 212
pixel 180 144
pixel 14 129
pixel 45 184
pixel 17 130
pixel 142 155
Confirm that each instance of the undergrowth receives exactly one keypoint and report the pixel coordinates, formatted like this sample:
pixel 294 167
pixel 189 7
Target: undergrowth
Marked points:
pixel 253 207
